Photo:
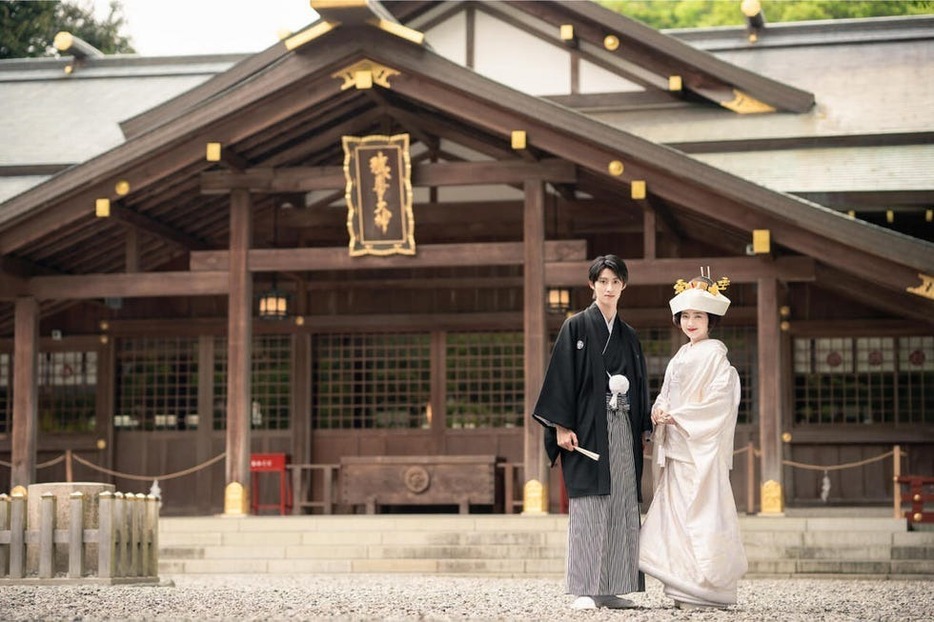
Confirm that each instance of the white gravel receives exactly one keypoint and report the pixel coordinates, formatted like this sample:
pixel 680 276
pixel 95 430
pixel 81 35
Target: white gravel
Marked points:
pixel 409 597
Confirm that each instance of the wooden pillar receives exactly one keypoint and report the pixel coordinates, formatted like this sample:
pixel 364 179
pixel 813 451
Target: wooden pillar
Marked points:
pixel 239 355
pixel 205 481
pixel 132 249
pixel 770 420
pixel 439 389
pixel 301 399
pixel 105 398
pixel 536 343
pixel 25 391
pixel 649 225
pixel 302 428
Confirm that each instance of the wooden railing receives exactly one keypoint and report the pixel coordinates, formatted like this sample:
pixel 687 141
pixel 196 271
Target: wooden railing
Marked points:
pixel 126 537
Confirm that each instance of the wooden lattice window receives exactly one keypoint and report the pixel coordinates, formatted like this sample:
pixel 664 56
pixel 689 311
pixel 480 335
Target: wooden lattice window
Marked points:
pixel 864 380
pixel 371 381
pixel 485 380
pixel 157 384
pixel 6 394
pixel 67 386
pixel 742 350
pixel 915 381
pixel 657 349
pixel 271 382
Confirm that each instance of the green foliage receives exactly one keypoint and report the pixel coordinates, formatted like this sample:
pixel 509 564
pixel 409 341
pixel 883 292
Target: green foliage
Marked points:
pixel 28 28
pixel 662 14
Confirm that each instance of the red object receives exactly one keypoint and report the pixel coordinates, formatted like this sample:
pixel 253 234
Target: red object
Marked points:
pixel 269 463
pixel 565 503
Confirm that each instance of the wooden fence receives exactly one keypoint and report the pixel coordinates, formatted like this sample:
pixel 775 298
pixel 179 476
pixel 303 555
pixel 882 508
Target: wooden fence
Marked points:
pixel 126 539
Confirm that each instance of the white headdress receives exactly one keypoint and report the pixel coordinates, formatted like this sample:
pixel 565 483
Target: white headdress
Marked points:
pixel 701 294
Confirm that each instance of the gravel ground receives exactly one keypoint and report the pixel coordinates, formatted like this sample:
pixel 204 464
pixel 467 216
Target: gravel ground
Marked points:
pixel 407 597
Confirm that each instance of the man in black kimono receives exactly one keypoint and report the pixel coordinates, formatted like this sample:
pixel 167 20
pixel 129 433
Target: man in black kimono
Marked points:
pixel 595 397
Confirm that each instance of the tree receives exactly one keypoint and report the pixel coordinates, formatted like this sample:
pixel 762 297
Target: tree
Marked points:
pixel 27 29
pixel 706 13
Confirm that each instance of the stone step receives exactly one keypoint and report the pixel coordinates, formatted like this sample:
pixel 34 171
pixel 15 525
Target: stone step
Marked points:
pixel 513 545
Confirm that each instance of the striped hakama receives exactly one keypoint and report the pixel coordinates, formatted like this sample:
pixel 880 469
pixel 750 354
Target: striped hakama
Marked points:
pixel 603 535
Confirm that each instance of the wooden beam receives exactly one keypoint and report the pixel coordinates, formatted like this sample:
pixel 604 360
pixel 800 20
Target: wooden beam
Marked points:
pixel 318 141
pixel 564 262
pixel 154 227
pixel 12 286
pixel 429 256
pixel 233 160
pixel 152 156
pixel 898 304
pixel 407 322
pixel 667 271
pixel 122 285
pixel 411 125
pixel 739 204
pixel 306 179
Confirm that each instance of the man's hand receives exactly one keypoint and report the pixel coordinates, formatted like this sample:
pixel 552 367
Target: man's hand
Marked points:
pixel 567 439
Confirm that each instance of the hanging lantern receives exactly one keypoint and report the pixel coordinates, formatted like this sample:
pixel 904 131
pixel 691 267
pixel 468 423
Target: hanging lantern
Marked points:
pixel 274 304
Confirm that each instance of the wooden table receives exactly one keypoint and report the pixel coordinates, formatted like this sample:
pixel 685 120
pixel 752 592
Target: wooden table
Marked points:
pixel 419 480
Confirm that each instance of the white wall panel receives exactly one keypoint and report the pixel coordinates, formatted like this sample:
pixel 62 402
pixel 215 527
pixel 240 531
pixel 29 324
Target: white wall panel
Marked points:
pixel 519 60
pixel 449 38
pixel 596 79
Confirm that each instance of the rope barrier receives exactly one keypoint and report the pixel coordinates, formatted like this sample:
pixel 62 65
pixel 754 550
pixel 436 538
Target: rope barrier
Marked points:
pixel 838 467
pixel 42 465
pixel 146 478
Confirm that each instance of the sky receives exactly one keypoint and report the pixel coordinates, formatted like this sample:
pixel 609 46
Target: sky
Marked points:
pixel 180 27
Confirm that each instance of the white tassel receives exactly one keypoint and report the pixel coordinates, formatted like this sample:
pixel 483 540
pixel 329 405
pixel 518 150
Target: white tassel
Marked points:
pixel 825 488
pixel 156 492
pixel 618 384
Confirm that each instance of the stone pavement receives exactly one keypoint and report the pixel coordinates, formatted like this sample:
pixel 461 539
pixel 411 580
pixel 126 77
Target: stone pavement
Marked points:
pixel 435 598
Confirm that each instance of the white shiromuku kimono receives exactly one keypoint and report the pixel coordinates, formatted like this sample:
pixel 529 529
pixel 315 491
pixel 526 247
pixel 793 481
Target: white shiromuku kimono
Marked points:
pixel 690 538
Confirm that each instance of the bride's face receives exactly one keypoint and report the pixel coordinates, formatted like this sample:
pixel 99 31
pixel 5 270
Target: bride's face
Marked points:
pixel 695 324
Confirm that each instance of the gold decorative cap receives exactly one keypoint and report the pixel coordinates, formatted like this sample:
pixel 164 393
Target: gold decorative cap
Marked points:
pixel 701 293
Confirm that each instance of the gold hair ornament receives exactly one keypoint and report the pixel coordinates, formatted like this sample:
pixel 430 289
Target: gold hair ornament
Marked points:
pixel 703 282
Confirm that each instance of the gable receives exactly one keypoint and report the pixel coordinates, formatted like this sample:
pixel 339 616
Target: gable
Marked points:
pixel 283 123
pixel 577 51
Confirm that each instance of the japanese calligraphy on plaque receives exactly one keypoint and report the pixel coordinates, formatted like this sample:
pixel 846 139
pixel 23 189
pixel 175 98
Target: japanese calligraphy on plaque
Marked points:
pixel 379 195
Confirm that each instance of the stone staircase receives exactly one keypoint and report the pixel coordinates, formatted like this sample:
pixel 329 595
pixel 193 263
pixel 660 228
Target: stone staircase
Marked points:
pixel 514 545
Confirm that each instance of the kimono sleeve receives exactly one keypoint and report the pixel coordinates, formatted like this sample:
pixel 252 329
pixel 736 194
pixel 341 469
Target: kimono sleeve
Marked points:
pixel 557 401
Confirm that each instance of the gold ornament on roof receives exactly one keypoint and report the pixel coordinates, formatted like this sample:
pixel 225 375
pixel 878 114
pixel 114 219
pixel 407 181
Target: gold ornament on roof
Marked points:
pixel 703 282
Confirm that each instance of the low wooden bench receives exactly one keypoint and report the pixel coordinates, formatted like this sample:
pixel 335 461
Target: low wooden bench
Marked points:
pixel 463 481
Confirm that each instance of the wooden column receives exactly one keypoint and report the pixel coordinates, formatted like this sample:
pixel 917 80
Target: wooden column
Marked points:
pixel 649 226
pixel 25 391
pixel 301 398
pixel 132 249
pixel 439 389
pixel 105 397
pixel 535 341
pixel 301 385
pixel 205 481
pixel 239 354
pixel 770 420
